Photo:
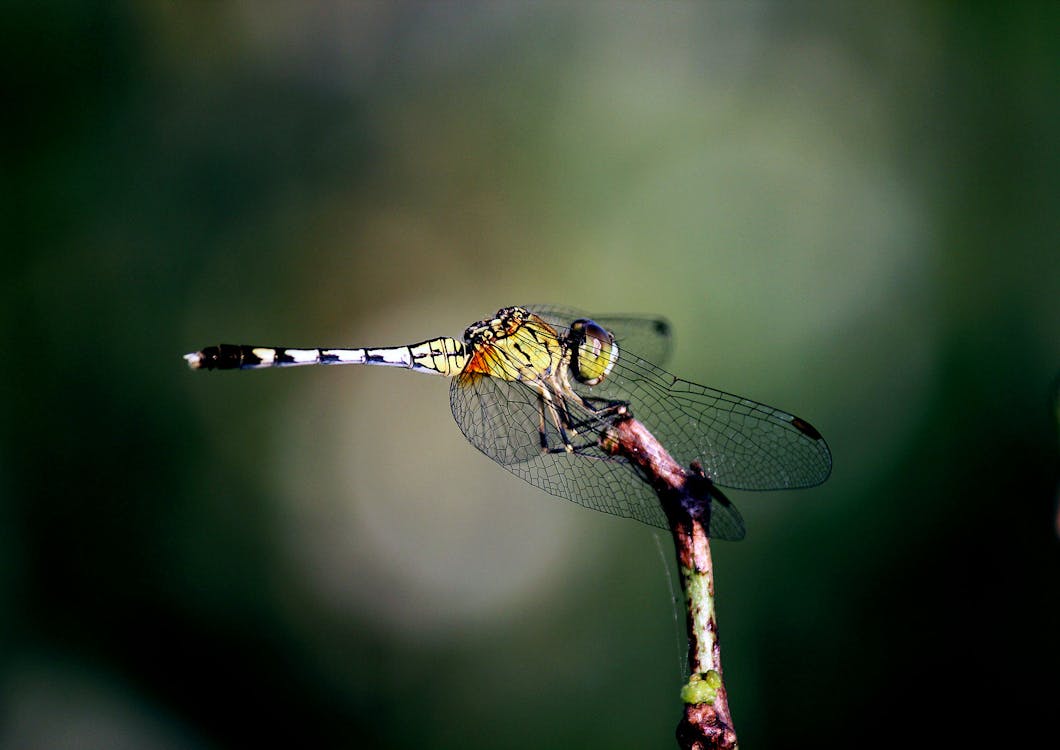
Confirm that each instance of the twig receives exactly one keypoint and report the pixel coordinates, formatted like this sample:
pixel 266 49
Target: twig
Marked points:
pixel 707 722
pixel 686 496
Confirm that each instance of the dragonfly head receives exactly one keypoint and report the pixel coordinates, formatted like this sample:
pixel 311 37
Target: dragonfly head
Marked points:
pixel 593 351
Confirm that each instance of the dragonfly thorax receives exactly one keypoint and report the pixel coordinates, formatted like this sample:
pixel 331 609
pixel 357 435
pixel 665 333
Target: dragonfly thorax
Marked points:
pixel 516 344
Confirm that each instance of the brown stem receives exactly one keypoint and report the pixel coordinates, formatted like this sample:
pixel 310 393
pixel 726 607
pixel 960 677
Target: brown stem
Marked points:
pixel 686 496
pixel 707 722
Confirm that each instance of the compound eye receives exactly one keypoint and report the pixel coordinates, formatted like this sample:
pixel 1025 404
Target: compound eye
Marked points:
pixel 593 351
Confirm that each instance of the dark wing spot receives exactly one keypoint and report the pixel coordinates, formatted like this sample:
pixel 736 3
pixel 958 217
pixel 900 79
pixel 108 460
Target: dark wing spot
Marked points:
pixel 805 428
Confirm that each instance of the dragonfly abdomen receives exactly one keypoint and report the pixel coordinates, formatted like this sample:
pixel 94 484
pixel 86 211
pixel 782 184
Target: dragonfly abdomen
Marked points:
pixel 250 357
pixel 443 356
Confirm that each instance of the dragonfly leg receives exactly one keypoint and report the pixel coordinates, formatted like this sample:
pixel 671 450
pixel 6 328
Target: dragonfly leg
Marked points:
pixel 582 435
pixel 541 423
pixel 568 420
pixel 561 420
pixel 589 450
pixel 613 410
pixel 600 408
pixel 591 404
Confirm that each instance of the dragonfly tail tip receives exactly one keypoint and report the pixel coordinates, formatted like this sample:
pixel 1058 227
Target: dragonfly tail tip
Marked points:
pixel 194 360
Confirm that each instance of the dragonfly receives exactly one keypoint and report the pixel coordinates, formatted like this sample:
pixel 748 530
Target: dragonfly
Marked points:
pixel 575 405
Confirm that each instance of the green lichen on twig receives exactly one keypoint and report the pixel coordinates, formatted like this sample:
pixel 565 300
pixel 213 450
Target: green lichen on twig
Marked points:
pixel 701 688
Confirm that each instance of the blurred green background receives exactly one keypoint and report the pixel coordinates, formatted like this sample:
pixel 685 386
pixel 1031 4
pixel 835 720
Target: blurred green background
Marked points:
pixel 847 211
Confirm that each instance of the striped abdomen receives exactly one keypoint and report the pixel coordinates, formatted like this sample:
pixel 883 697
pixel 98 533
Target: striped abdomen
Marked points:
pixel 444 356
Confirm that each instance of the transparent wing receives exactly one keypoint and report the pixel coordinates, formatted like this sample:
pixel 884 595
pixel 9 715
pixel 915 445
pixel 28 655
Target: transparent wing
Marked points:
pixel 503 418
pixel 741 443
pixel 725 521
pixel 647 336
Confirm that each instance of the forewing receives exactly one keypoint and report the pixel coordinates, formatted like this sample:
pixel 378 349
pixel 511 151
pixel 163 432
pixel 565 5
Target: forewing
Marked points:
pixel 740 443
